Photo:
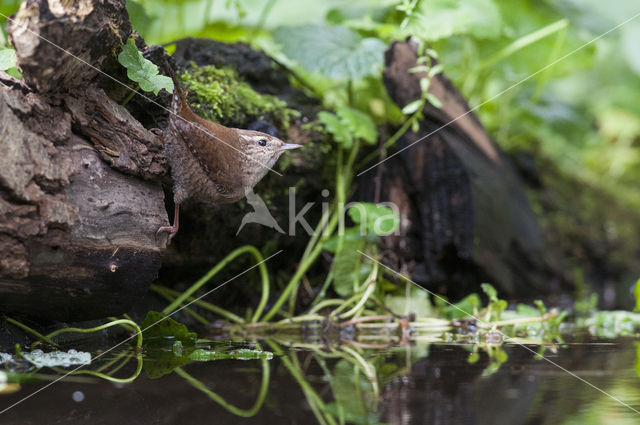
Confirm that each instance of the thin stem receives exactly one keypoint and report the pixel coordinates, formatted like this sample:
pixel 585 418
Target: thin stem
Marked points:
pixel 218 267
pixel 302 269
pixel 130 96
pixel 371 282
pixel 391 141
pixel 309 392
pixel 121 322
pixel 164 294
pixel 202 304
pixel 323 304
pixel 245 413
pixel 105 376
pixel 30 330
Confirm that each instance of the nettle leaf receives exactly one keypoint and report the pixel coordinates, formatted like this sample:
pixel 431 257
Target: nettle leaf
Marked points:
pixel 7 59
pixel 340 132
pixel 437 19
pixel 380 220
pixel 335 51
pixel 348 124
pixel 143 71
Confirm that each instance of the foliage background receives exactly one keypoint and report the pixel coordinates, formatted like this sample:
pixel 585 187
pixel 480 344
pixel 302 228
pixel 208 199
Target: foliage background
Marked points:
pixel 579 118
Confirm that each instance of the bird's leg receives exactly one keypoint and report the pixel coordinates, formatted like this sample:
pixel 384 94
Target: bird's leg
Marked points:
pixel 174 228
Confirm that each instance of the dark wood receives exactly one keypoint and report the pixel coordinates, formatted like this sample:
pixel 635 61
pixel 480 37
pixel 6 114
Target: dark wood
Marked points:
pixel 468 218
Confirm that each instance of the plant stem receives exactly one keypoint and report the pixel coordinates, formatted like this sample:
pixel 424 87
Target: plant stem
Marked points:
pixel 122 322
pixel 391 141
pixel 245 413
pixel 30 330
pixel 130 96
pixel 302 269
pixel 218 267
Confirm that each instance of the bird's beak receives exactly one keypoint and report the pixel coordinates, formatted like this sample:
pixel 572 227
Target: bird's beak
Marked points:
pixel 289 146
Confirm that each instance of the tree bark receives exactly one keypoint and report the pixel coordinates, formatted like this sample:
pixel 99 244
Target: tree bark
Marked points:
pixel 466 215
pixel 80 192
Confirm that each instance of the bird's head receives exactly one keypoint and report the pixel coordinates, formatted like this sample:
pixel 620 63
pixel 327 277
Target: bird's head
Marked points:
pixel 262 151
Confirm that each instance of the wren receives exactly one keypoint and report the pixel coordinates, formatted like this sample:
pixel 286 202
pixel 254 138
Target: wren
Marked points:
pixel 212 163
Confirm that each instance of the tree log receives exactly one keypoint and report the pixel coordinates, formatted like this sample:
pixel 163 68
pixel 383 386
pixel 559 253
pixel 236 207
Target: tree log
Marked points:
pixel 80 192
pixel 466 215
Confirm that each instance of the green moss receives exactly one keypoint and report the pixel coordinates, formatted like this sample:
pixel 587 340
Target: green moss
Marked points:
pixel 220 95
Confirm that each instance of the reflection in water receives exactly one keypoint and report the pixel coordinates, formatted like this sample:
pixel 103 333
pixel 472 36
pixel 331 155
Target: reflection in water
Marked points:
pixel 424 383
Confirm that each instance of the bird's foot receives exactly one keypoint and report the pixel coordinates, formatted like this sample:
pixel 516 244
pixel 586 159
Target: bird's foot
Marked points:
pixel 172 230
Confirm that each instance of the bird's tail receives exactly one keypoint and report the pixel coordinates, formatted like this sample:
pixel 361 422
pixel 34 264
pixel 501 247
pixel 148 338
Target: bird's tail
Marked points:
pixel 178 102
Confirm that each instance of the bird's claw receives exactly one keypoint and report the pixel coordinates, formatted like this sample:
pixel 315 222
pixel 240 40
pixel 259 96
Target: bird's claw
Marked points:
pixel 172 230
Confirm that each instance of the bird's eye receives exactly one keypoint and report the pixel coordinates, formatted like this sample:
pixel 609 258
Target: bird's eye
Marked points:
pixel 262 142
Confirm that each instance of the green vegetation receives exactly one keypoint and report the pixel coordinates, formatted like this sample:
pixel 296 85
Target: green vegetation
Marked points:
pixel 540 80
pixel 142 71
pixel 219 95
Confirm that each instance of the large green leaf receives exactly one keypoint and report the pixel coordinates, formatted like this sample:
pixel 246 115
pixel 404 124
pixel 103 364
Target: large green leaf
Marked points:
pixel 438 19
pixel 336 52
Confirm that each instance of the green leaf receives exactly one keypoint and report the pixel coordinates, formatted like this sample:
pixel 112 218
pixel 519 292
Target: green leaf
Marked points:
pixel 412 107
pixel 636 294
pixel 541 307
pixel 345 264
pixel 490 291
pixel 433 100
pixel 379 219
pixel 160 328
pixel 360 124
pixel 340 132
pixel 143 71
pixel 438 19
pixel 7 59
pixel 463 308
pixel 351 391
pixel 334 51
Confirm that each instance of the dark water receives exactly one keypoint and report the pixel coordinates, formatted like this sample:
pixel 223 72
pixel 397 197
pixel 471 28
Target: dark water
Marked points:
pixel 419 384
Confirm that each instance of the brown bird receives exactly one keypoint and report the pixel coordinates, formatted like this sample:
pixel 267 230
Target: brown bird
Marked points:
pixel 210 162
